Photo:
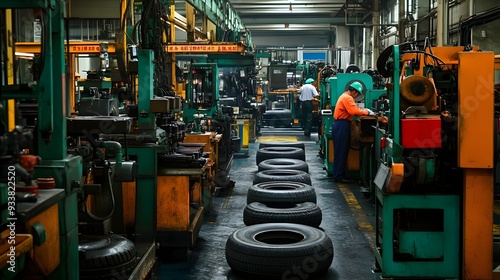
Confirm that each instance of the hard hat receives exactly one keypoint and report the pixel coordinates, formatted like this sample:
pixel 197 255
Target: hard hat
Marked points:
pixel 357 86
pixel 310 80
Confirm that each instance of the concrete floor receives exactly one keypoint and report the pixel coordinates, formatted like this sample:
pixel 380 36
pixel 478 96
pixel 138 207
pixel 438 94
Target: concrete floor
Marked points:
pixel 348 218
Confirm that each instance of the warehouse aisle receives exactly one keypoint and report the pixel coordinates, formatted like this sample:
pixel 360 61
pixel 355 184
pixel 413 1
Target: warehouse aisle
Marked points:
pixel 348 219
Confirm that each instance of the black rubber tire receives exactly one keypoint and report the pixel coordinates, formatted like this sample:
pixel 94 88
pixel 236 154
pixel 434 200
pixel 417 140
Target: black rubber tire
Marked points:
pixel 105 256
pixel 306 213
pixel 283 144
pixel 278 117
pixel 281 193
pixel 282 175
pixel 279 152
pixel 281 250
pixel 283 163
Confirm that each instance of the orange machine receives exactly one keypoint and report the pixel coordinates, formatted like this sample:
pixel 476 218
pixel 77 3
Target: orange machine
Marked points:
pixel 438 211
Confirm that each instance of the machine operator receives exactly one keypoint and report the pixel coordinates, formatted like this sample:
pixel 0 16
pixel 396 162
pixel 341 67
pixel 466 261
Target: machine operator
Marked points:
pixel 307 93
pixel 345 110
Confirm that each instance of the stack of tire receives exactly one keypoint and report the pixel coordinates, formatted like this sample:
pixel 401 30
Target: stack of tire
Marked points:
pixel 281 238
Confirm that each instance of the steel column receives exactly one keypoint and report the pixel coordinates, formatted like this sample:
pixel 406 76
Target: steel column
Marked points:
pixel 146 92
pixel 475 155
pixel 52 89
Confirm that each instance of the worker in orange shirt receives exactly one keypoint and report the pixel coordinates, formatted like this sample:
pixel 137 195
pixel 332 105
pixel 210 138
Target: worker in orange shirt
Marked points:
pixel 345 110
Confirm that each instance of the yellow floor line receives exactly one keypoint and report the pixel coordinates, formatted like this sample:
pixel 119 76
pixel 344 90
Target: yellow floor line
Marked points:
pixel 364 225
pixel 496 207
pixel 263 139
pixel 228 197
pixel 496 212
pixel 496 229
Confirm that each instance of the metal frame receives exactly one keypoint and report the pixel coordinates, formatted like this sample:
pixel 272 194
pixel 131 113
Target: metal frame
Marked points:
pixel 51 93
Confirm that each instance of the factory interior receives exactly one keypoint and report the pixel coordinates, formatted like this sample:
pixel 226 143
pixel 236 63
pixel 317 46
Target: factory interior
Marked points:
pixel 164 139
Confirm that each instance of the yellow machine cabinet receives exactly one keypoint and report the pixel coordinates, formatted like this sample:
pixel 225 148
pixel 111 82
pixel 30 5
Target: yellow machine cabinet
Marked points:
pixel 180 208
pixel 40 219
pixel 211 141
pixel 245 129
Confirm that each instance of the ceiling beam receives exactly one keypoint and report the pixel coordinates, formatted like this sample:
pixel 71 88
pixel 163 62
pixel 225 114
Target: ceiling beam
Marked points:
pixel 253 23
pixel 282 27
pixel 253 5
pixel 285 10
pixel 236 3
pixel 292 20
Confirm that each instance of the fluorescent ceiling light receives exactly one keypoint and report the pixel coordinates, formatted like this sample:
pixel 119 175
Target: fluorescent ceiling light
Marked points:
pixel 25 54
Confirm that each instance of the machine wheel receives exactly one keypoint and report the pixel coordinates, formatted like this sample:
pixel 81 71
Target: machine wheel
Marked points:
pixel 276 193
pixel 352 68
pixel 279 152
pixel 282 175
pixel 284 163
pixel 306 213
pixel 280 250
pixel 106 256
pixel 283 144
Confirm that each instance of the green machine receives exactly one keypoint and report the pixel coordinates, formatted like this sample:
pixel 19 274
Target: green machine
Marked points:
pixel 204 111
pixel 131 147
pixel 421 185
pixel 202 94
pixel 64 170
pixel 148 129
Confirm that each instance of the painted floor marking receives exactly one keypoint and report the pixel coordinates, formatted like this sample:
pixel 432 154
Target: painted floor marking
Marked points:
pixel 263 139
pixel 364 224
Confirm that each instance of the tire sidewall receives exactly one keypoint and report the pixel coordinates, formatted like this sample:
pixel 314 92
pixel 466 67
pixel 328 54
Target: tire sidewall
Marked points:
pixel 279 260
pixel 279 152
pixel 293 193
pixel 283 163
pixel 282 175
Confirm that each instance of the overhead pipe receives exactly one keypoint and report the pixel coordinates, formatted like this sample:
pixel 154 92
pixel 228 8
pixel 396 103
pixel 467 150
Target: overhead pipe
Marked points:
pixel 402 21
pixel 363 58
pixel 375 32
pixel 477 19
pixel 415 24
pixel 287 5
pixel 442 22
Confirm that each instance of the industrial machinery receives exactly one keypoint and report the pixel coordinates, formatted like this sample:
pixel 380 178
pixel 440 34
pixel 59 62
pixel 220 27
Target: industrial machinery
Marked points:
pixel 128 180
pixel 211 137
pixel 97 97
pixel 281 96
pixel 279 112
pixel 204 115
pixel 237 88
pixel 281 108
pixel 434 179
pixel 104 168
pixel 220 98
pixel 42 225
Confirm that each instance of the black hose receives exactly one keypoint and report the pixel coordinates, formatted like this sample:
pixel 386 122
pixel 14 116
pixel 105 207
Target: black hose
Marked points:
pixel 113 204
pixel 477 19
pixel 386 57
pixel 436 59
